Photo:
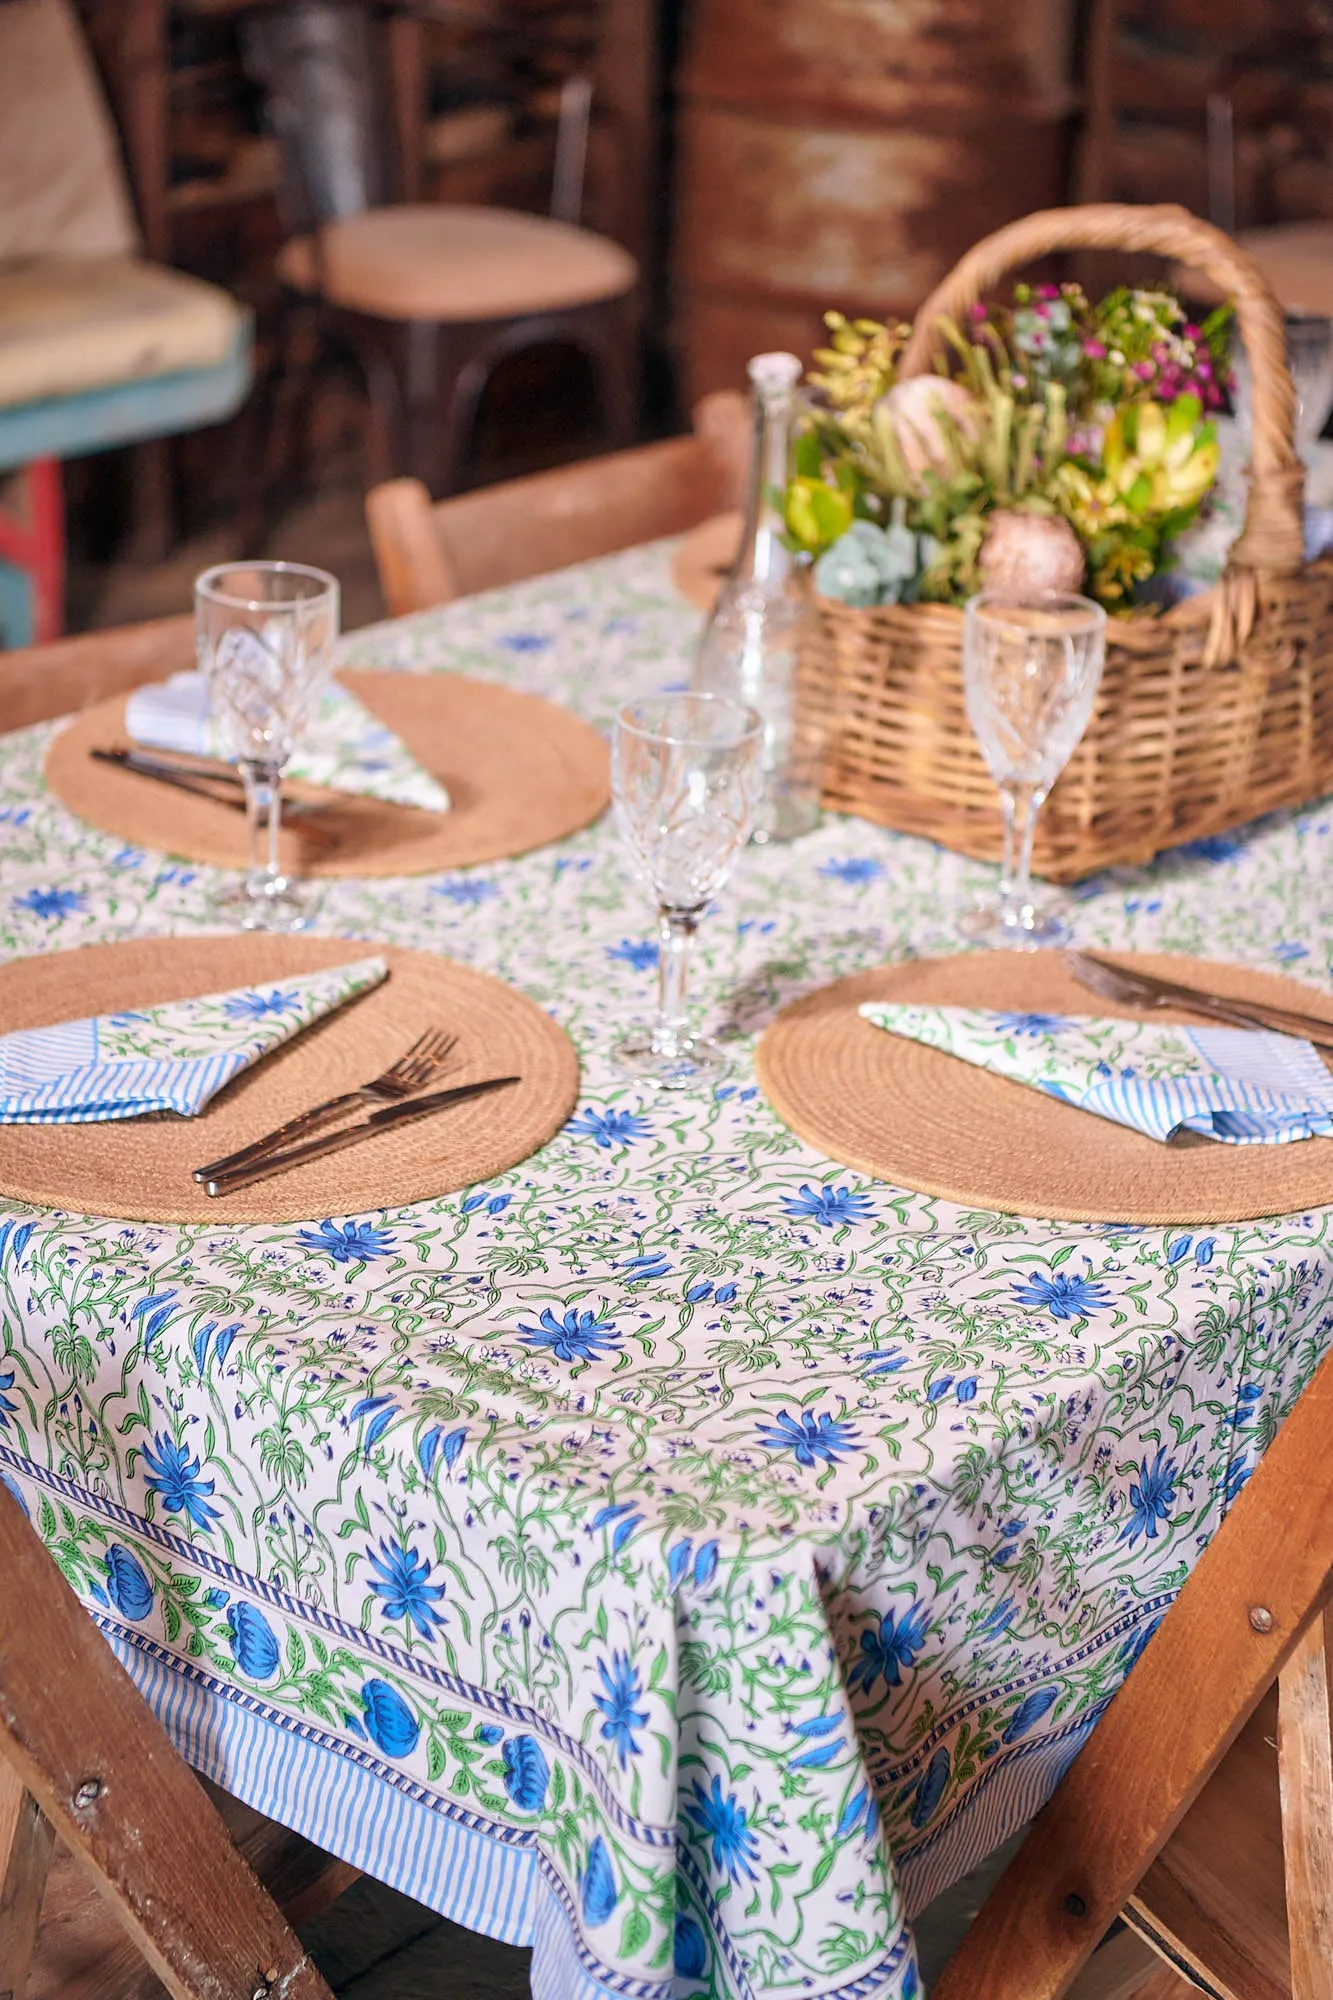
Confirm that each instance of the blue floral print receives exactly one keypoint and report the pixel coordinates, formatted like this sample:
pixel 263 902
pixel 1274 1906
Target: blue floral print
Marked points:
pixel 178 1478
pixel 128 1583
pixel 889 1647
pixel 1063 1296
pixel 610 1128
pixel 829 1206
pixel 52 903
pixel 1151 1498
pixel 253 1641
pixel 526 1772
pixel 258 1006
pixel 722 1819
pixel 579 1336
pixel 348 1242
pixel 812 1437
pixel 402 1583
pixel 636 952
pixel 620 1692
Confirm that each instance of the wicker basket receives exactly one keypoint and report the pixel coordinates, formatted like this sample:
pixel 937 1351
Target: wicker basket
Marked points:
pixel 1208 714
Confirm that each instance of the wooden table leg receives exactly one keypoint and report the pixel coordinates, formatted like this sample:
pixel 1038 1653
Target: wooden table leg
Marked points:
pixel 1305 1764
pixel 26 1840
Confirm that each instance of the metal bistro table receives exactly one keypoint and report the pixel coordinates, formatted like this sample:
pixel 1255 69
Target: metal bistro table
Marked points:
pixel 681 1555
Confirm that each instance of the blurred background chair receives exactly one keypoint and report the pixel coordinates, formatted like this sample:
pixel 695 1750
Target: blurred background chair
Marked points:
pixel 429 297
pixel 97 347
pixel 429 554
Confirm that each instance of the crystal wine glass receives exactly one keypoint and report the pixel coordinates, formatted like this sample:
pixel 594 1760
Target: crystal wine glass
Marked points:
pixel 1310 358
pixel 687 776
pixel 265 633
pixel 1031 670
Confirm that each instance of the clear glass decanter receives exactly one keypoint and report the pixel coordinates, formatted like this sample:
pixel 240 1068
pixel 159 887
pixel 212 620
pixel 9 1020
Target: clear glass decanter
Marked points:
pixel 750 646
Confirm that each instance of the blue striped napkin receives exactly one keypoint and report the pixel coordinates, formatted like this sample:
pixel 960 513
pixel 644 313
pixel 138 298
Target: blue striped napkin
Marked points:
pixel 343 746
pixel 169 1058
pixel 1241 1085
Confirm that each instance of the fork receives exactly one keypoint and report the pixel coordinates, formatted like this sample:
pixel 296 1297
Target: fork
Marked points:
pixel 1140 989
pixel 417 1067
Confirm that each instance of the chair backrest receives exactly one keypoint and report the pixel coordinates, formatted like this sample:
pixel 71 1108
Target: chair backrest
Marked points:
pixel 429 554
pixel 94 1762
pixel 38 683
pixel 320 64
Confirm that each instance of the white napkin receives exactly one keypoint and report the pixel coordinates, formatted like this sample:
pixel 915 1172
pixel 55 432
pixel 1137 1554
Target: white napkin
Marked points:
pixel 343 746
pixel 169 1058
pixel 1244 1086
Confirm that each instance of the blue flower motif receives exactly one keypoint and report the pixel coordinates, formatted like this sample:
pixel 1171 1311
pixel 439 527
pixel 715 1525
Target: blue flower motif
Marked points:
pixel 859 868
pixel 1029 1713
pixel 256 1006
pixel 828 1206
pixel 1213 847
pixel 489 1732
pixel 347 1242
pixel 696 1293
pixel 610 1128
pixel 128 1582
pixel 622 1689
pixel 435 1443
pixel 524 642
pixel 498 1203
pixel 13 1491
pixel 882 1361
pixel 1063 1297
pixel 527 1773
pixel 889 1647
pixel 153 1314
pixel 691 1950
pixel 931 1789
pixel 639 953
pixel 812 1437
pixel 721 1819
pixel 1136 1642
pixel 51 902
pixel 678 1561
pixel 1180 1248
pixel 8 1408
pixel 1030 1024
pixel 1151 1499
pixel 468 891
pixel 404 1586
pixel 389 1720
pixel 724 1295
pixel 253 1641
pixel 176 1476
pixel 576 1337
pixel 1203 1250
pixel 600 1894
pixel 966 1390
pixel 649 1264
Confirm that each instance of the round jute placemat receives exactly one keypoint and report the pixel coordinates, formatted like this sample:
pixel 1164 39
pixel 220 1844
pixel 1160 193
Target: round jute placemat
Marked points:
pixel 704 557
pixel 927 1121
pixel 520 773
pixel 140 1168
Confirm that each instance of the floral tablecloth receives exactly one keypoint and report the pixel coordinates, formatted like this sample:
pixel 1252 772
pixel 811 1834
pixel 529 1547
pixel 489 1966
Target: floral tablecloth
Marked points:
pixel 680 1555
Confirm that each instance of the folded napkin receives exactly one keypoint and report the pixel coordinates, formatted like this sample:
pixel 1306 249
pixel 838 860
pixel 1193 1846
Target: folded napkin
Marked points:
pixel 169 1058
pixel 343 746
pixel 1244 1086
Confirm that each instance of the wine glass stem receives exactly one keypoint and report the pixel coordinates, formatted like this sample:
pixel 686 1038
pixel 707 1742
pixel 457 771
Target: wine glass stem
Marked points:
pixel 675 930
pixel 263 811
pixel 1022 803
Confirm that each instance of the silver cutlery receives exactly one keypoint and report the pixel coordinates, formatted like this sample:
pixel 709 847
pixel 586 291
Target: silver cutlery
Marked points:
pixel 220 785
pixel 1144 989
pixel 417 1067
pixel 351 1135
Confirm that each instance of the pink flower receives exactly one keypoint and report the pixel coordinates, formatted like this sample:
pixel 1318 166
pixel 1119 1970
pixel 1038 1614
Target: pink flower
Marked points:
pixel 1190 330
pixel 978 311
pixel 1048 291
pixel 1041 312
pixel 1095 350
pixel 1203 368
pixel 1145 370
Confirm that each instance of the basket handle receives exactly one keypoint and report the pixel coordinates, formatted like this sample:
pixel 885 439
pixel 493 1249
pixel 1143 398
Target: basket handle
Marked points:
pixel 1273 541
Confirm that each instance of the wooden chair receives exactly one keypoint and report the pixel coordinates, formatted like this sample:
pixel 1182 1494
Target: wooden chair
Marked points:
pixel 39 683
pixel 431 554
pixel 428 296
pixel 84 1760
pixel 1201 1807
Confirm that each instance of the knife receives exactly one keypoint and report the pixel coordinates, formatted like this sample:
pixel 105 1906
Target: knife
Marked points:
pixel 202 784
pixel 351 1135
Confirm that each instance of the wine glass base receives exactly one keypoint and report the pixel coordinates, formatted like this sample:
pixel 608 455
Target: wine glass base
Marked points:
pixel 689 1060
pixel 1020 927
pixel 265 904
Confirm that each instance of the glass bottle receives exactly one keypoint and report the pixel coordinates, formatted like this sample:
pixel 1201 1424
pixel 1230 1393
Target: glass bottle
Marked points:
pixel 750 646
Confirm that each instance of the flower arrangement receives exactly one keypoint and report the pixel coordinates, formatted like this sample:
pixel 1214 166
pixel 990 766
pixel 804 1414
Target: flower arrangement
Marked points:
pixel 1065 446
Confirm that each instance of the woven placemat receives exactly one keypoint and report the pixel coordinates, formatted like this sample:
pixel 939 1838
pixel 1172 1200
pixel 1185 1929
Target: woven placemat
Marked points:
pixel 520 773
pixel 139 1168
pixel 927 1121
pixel 702 560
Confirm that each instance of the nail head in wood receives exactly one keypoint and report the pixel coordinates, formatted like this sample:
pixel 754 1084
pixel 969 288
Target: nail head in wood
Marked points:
pixel 88 1793
pixel 1261 1618
pixel 1075 1906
